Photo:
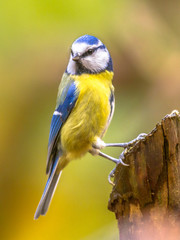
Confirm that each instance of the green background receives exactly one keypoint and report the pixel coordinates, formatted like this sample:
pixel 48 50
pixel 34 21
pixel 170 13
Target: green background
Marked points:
pixel 35 39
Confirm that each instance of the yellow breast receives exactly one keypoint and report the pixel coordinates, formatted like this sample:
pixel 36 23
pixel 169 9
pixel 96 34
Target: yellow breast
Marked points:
pixel 90 114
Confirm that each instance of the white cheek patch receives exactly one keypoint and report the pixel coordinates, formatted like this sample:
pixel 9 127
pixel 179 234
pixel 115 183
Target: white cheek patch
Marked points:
pixel 98 61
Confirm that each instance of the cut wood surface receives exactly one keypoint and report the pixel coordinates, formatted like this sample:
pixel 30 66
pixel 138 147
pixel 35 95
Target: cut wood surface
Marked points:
pixel 146 195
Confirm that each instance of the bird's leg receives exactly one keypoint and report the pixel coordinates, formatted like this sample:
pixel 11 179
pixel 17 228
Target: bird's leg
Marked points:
pixel 127 144
pixel 96 147
pixel 115 160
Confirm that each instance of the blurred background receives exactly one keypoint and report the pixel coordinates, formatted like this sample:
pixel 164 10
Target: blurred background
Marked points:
pixel 35 39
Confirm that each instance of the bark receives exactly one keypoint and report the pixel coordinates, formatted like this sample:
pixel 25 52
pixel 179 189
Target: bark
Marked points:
pixel 146 195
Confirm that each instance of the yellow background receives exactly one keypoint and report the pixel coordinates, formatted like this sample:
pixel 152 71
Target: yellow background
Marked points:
pixel 35 39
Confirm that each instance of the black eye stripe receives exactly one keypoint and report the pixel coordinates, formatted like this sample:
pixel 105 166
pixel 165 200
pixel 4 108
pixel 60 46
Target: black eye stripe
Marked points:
pixel 92 50
pixel 89 52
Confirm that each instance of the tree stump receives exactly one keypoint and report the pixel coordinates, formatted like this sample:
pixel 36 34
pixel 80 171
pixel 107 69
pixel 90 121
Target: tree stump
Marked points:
pixel 146 195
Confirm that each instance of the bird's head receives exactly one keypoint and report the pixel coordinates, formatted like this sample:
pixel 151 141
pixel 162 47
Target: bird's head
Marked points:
pixel 89 55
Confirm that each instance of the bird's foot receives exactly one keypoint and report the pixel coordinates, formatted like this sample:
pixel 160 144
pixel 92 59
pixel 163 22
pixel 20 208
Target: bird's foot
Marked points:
pixel 120 160
pixel 127 144
pixel 100 144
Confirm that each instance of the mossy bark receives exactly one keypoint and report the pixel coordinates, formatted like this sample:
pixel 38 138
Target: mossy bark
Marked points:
pixel 146 195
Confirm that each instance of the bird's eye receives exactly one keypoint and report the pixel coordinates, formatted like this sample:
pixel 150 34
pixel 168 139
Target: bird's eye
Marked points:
pixel 90 51
pixel 72 52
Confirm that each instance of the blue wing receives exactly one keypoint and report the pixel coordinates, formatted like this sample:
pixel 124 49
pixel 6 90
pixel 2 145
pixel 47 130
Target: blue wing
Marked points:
pixel 60 115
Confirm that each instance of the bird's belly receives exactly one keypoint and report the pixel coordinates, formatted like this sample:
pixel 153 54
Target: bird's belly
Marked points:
pixel 86 122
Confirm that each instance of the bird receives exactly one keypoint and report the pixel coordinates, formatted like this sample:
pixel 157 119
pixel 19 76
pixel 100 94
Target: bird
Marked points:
pixel 83 112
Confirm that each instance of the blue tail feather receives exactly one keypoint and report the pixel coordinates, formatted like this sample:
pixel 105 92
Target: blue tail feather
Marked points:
pixel 49 190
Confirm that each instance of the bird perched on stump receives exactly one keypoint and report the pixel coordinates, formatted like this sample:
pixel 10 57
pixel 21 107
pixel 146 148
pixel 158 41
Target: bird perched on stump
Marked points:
pixel 83 112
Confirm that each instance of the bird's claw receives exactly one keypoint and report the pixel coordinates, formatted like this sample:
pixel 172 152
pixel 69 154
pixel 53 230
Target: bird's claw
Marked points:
pixel 130 144
pixel 111 175
pixel 120 160
pixel 141 136
pixel 126 147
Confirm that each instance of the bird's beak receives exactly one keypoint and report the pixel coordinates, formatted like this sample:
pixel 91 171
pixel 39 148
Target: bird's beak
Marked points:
pixel 76 57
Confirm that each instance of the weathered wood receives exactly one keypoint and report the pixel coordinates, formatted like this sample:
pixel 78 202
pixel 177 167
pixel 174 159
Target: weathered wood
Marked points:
pixel 146 195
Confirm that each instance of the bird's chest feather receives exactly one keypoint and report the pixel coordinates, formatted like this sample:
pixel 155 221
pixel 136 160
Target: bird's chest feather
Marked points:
pixel 89 116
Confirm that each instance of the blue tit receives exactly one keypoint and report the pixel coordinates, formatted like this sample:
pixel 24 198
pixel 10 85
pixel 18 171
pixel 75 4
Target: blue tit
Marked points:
pixel 83 112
